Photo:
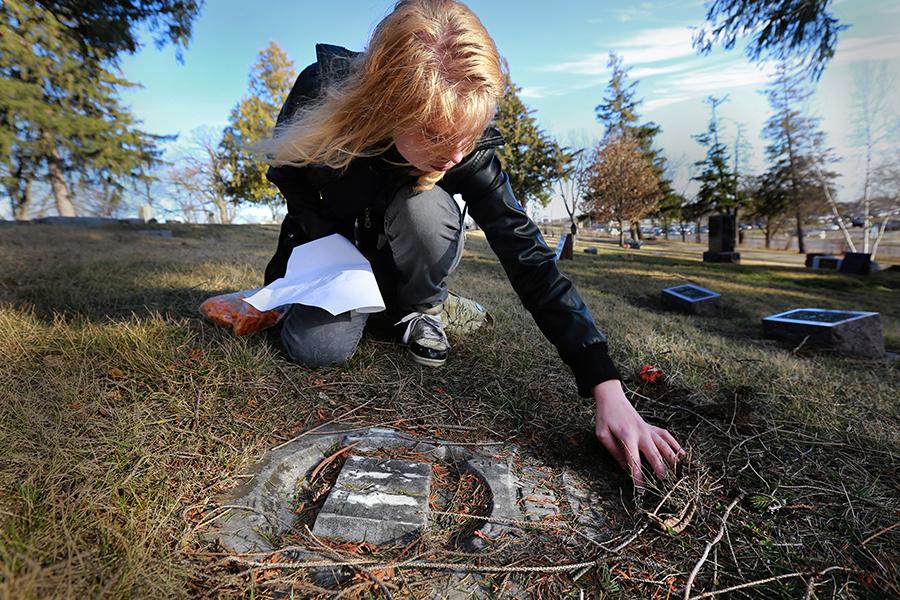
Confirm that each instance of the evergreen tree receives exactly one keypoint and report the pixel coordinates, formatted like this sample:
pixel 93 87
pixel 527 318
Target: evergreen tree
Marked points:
pixel 718 185
pixel 779 29
pixel 619 114
pixel 670 210
pixel 251 121
pixel 769 203
pixel 60 117
pixel 530 157
pixel 745 182
pixel 797 153
pixel 105 29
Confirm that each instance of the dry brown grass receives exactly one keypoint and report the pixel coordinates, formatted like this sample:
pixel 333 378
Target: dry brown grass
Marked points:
pixel 122 414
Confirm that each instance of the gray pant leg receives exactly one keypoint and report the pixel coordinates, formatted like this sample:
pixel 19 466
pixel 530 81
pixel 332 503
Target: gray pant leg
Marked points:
pixel 314 337
pixel 425 233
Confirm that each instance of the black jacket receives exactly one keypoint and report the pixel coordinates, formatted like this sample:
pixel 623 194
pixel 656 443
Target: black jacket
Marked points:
pixel 322 201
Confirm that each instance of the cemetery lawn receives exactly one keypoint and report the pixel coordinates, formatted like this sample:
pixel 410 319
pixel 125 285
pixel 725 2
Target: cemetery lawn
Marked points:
pixel 123 414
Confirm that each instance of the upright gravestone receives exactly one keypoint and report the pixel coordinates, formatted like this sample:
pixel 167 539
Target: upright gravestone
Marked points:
pixel 849 332
pixel 145 213
pixel 565 241
pixel 722 231
pixel 691 298
pixel 857 263
pixel 568 251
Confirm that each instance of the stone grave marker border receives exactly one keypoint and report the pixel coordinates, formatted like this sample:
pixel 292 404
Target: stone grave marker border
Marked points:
pixel 856 333
pixel 691 298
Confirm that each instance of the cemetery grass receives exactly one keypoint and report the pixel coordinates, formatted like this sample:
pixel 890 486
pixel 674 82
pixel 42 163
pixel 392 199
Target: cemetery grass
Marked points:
pixel 123 414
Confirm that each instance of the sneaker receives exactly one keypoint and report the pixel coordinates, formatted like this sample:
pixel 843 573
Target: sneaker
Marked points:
pixel 462 316
pixel 425 338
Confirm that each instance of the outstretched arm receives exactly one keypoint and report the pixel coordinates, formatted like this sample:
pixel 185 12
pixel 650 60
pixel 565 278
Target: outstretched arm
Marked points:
pixel 562 317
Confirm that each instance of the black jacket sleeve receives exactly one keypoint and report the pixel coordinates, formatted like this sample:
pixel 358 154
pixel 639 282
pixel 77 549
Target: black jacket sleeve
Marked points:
pixel 546 293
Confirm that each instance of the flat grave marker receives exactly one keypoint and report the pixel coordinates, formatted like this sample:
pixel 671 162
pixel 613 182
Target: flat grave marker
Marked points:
pixel 691 298
pixel 376 500
pixel 826 261
pixel 856 333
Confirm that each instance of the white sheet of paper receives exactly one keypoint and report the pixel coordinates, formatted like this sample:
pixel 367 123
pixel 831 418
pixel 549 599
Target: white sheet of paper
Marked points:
pixel 329 273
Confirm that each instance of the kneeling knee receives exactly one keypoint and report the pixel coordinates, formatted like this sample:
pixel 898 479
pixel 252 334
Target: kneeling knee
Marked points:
pixel 314 338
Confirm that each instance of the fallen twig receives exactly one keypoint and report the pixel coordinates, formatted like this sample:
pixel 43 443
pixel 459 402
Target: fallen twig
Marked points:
pixel 321 425
pixel 325 462
pixel 875 535
pixel 750 584
pixel 362 569
pixel 709 545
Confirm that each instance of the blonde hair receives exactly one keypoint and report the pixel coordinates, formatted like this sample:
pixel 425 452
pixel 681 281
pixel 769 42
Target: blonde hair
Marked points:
pixel 429 63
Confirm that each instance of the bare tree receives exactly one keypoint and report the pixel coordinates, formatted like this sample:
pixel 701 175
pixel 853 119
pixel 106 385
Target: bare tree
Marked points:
pixel 198 182
pixel 210 167
pixel 622 185
pixel 572 185
pixel 873 133
pixel 886 203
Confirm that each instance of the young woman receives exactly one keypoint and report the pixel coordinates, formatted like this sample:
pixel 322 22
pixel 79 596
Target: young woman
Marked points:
pixel 374 146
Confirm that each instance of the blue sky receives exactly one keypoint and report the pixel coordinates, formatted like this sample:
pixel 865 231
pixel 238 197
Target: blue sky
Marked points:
pixel 556 52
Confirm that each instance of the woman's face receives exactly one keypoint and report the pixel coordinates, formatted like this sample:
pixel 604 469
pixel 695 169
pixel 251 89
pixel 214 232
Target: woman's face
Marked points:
pixel 414 147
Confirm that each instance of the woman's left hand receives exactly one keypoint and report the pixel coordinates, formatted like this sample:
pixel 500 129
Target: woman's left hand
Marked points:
pixel 626 435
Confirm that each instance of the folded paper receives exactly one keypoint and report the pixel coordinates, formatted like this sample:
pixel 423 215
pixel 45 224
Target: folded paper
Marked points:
pixel 329 273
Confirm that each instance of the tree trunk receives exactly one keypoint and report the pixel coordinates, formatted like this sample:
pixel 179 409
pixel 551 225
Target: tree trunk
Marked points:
pixel 222 207
pixel 801 245
pixel 21 202
pixel 621 233
pixel 58 183
pixel 683 233
pixel 19 193
pixel 697 231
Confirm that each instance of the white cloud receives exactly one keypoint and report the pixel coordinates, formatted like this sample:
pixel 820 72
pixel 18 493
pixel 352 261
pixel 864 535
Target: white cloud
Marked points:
pixel 536 91
pixel 647 46
pixel 853 49
pixel 642 72
pixel 724 77
pixel 656 45
pixel 655 103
